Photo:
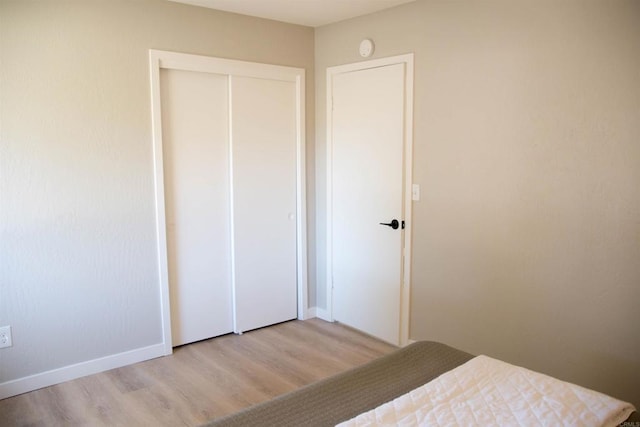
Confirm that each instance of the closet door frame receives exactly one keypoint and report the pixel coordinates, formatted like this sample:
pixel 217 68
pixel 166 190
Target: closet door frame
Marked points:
pixel 158 60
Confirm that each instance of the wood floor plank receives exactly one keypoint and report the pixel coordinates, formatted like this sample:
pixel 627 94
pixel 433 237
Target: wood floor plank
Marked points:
pixel 199 381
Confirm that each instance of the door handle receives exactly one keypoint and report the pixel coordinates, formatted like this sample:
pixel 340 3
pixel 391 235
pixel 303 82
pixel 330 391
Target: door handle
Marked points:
pixel 393 224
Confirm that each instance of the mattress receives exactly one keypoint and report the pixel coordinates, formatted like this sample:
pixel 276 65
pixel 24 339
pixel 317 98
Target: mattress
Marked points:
pixel 339 398
pixel 489 392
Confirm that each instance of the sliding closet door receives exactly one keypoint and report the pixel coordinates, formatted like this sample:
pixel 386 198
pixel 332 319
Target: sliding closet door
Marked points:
pixel 197 203
pixel 263 141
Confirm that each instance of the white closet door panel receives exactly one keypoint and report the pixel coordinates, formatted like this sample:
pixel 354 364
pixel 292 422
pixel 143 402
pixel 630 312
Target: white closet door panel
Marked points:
pixel 263 135
pixel 197 199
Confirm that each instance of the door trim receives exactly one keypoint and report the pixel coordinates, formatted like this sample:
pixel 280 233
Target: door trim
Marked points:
pixel 159 59
pixel 405 297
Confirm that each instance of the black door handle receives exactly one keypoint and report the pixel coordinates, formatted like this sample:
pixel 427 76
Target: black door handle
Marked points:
pixel 393 224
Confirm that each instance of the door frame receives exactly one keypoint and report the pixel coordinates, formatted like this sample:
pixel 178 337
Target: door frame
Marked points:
pixel 405 296
pixel 159 59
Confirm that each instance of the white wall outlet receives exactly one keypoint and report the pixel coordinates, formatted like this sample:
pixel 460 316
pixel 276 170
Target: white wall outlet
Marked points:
pixel 5 336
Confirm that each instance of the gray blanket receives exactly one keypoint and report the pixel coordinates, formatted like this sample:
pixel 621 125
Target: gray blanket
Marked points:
pixel 343 396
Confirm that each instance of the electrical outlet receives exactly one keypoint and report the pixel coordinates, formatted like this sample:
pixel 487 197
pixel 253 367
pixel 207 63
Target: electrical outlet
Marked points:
pixel 5 336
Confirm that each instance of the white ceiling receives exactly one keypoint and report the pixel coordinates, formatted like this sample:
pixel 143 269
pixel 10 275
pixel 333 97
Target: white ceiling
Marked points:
pixel 312 13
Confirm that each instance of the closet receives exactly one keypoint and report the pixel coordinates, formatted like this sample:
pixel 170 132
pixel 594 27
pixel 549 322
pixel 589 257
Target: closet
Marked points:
pixel 229 159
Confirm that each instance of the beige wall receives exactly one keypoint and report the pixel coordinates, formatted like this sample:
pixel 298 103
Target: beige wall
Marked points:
pixel 78 261
pixel 527 150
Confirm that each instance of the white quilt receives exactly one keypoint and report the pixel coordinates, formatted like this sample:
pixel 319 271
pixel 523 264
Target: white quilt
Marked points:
pixel 488 392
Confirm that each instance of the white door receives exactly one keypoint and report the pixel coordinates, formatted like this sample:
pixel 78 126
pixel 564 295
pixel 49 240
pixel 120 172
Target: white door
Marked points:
pixel 263 129
pixel 367 190
pixel 196 181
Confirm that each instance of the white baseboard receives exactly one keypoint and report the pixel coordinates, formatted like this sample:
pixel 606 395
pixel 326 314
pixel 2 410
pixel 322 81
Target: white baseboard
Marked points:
pixel 318 312
pixel 311 313
pixel 323 314
pixel 71 372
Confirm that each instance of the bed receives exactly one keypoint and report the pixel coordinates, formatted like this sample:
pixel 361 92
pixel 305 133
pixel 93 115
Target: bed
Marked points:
pixel 347 395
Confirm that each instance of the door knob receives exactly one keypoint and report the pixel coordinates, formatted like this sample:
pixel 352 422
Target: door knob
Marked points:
pixel 393 224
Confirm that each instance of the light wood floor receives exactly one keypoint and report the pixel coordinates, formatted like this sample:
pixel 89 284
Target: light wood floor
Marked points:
pixel 199 381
